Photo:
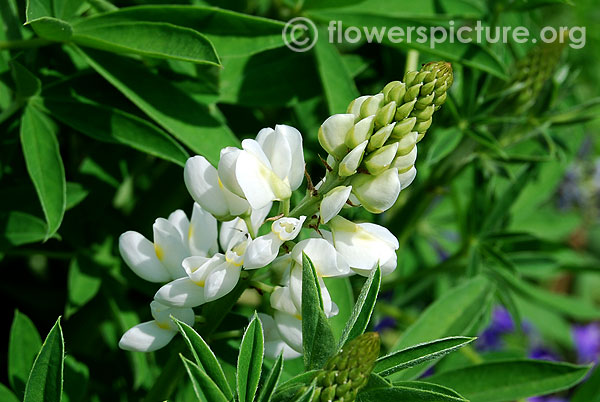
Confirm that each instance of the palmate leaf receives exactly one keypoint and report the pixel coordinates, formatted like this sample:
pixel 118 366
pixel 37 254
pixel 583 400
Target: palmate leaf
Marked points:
pixel 46 378
pixel 510 380
pixel 318 342
pixel 363 309
pixel 250 360
pixel 204 357
pixel 416 354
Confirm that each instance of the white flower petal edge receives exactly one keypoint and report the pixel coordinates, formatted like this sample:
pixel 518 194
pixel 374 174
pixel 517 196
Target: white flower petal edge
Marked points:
pixel 325 258
pixel 153 335
pixel 139 254
pixel 274 344
pixel 333 202
pixel 264 249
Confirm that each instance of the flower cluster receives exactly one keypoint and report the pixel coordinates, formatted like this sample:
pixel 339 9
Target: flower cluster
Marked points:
pixel 234 227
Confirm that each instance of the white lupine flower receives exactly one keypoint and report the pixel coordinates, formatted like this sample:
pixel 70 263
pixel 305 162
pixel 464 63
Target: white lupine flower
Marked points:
pixel 153 335
pixel 407 177
pixel 326 260
pixel 274 343
pixel 364 245
pixel 377 193
pixel 333 202
pixel 360 132
pixel 332 134
pixel 203 183
pixel 267 169
pixel 264 249
pixel 175 239
pixel 381 159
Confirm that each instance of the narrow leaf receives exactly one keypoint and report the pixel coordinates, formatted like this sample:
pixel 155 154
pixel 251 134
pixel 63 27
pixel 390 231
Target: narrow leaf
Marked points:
pixel 510 380
pixel 414 355
pixel 204 356
pixel 44 164
pixel 23 346
pixel 27 84
pixel 250 360
pixel 405 393
pixel 361 314
pixel 46 378
pixel 204 387
pixel 6 395
pixel 268 387
pixel 318 342
pixel 17 228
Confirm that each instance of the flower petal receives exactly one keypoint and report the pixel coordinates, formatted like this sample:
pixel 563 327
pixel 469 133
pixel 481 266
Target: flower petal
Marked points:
pixel 162 315
pixel 227 167
pixel 377 193
pixel 202 233
pixel 221 280
pixel 274 344
pixel 202 183
pixel 282 300
pixel 262 251
pixel 294 139
pixel 170 248
pixel 138 253
pixel 277 149
pixel 146 337
pixel 290 329
pixel 323 256
pixel 407 178
pixel 332 134
pixel 232 233
pixel 333 202
pixel 181 292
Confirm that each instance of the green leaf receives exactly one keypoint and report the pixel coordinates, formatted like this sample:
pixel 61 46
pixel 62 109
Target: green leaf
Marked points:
pixel 318 342
pixel 44 164
pixel 414 355
pixel 268 387
pixel 589 391
pixel 361 314
pixel 52 28
pixel 153 39
pixel 76 193
pixel 406 393
pixel 6 395
pixel 38 8
pixel 46 378
pixel 108 124
pixel 82 284
pixel 18 228
pixel 308 395
pixel 23 346
pixel 510 380
pixel 457 312
pixel 27 84
pixel 290 388
pixel 203 385
pixel 250 360
pixel 186 119
pixel 337 83
pixel 573 307
pixel 440 389
pixel 231 33
pixel 204 356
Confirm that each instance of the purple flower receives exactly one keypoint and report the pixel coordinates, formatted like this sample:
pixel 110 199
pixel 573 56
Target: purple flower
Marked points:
pixel 542 353
pixel 587 342
pixel 491 338
pixel 549 398
pixel 502 320
pixel 385 323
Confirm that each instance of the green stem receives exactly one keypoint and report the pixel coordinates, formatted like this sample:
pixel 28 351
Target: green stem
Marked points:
pixel 234 333
pixel 24 43
pixel 310 203
pixel 284 207
pixel 412 61
pixel 249 225
pixel 262 286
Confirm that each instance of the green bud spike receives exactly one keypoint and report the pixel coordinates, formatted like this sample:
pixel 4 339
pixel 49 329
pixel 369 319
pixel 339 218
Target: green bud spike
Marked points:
pixel 348 372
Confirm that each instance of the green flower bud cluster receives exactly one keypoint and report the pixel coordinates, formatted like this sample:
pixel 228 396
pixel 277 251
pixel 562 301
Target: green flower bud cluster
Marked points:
pixel 348 372
pixel 375 141
pixel 534 70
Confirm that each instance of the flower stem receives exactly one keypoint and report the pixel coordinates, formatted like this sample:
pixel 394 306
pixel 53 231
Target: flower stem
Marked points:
pixel 310 203
pixel 262 286
pixel 24 43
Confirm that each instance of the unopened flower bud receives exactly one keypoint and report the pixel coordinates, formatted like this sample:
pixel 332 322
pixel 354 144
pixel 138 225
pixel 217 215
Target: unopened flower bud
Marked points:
pixel 380 137
pixel 350 163
pixel 404 162
pixel 360 132
pixel 333 202
pixel 355 105
pixel 385 115
pixel 381 159
pixel 407 143
pixel 377 193
pixel 371 105
pixel 404 111
pixel 407 178
pixel 402 128
pixel 332 134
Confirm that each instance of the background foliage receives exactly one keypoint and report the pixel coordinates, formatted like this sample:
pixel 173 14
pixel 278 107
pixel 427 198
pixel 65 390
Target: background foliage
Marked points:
pixel 101 104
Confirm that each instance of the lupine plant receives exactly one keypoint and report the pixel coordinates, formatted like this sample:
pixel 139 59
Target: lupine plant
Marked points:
pixel 357 222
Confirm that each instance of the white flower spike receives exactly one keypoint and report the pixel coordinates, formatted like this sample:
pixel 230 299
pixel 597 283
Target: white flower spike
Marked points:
pixel 175 239
pixel 333 202
pixel 153 335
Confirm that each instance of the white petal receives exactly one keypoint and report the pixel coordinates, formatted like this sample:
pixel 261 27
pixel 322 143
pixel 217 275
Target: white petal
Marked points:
pixel 258 216
pixel 202 182
pixel 356 104
pixel 232 233
pixel 138 253
pixel 294 138
pixel 170 248
pixel 254 149
pixel 262 251
pixel 332 134
pixel 290 329
pixel 181 293
pixel 274 344
pixel 282 300
pixel 237 205
pixel 255 179
pixel 180 222
pixel 333 202
pixel 202 233
pixel 407 178
pixel 323 256
pixel 403 162
pixel 226 170
pixel 287 228
pixel 198 268
pixel 162 315
pixel 221 280
pixel 146 337
pixel 377 193
pixel 277 150
pixel 350 163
